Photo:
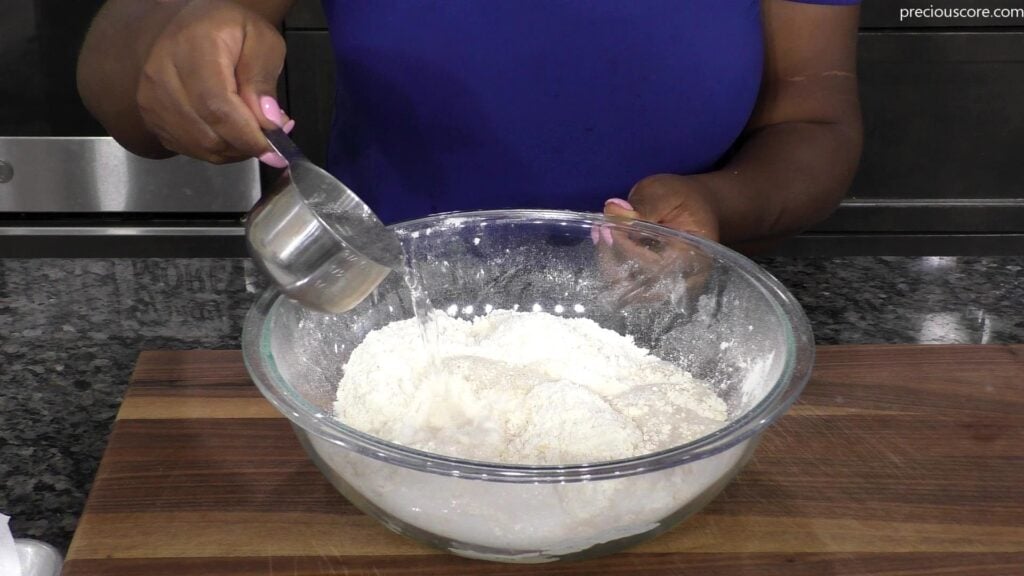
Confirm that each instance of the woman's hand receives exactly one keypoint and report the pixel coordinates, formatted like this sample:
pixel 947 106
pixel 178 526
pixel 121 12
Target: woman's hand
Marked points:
pixel 208 82
pixel 679 202
pixel 640 271
pixel 194 77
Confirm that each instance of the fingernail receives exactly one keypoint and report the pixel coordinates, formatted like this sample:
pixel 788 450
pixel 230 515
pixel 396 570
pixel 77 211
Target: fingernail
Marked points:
pixel 271 109
pixel 620 203
pixel 606 235
pixel 595 236
pixel 273 159
pixel 289 126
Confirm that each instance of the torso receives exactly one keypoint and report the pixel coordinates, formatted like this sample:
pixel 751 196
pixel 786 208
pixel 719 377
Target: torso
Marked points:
pixel 474 104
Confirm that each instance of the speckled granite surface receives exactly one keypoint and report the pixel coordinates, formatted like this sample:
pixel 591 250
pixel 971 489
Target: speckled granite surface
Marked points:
pixel 70 331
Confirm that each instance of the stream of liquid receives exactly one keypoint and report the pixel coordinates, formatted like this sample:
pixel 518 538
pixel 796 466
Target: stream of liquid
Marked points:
pixel 421 306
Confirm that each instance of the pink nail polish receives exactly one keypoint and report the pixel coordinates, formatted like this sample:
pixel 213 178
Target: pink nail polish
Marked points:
pixel 620 203
pixel 288 127
pixel 271 109
pixel 273 159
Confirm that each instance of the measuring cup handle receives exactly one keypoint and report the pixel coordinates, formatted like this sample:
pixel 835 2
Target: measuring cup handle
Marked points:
pixel 284 145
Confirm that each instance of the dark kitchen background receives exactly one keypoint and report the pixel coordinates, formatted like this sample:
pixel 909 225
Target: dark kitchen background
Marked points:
pixel 943 103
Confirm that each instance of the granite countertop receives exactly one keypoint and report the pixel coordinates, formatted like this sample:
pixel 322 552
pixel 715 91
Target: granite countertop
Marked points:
pixel 70 331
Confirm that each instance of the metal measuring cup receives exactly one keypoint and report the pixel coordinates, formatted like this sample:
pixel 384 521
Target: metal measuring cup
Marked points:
pixel 318 242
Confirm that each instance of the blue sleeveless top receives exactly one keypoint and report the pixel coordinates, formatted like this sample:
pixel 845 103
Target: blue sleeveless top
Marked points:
pixel 476 104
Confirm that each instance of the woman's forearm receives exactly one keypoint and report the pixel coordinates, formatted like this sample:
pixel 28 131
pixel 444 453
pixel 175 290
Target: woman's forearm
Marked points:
pixel 784 178
pixel 803 143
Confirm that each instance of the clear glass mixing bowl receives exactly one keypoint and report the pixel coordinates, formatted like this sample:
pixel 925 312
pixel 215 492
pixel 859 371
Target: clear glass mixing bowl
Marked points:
pixel 690 301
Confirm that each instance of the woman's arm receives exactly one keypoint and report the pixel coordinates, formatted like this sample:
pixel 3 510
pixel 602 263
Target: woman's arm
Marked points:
pixel 801 147
pixel 184 76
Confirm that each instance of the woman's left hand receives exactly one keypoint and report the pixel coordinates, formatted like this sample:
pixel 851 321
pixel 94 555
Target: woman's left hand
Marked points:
pixel 683 203
pixel 639 271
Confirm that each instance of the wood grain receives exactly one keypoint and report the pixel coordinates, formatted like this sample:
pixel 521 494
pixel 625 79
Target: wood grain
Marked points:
pixel 975 564
pixel 897 460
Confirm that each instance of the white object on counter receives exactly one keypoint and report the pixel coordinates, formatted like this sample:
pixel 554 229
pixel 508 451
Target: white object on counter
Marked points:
pixel 9 564
pixel 38 558
pixel 25 557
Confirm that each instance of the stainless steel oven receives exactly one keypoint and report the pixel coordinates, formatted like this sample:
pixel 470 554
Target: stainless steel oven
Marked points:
pixel 88 196
pixel 68 190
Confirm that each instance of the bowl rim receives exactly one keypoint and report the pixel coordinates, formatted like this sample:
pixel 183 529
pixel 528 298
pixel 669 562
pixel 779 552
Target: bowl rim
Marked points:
pixel 781 395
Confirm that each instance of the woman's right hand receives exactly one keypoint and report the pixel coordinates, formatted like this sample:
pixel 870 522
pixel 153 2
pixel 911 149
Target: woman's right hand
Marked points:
pixel 207 83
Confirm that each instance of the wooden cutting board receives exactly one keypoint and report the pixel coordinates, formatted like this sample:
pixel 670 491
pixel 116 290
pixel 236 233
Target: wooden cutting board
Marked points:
pixel 897 460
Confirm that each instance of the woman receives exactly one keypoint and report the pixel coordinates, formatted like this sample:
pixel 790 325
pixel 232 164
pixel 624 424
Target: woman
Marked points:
pixel 735 120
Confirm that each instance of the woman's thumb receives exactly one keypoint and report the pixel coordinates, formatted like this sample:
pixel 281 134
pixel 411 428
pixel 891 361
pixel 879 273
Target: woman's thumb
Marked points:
pixel 619 207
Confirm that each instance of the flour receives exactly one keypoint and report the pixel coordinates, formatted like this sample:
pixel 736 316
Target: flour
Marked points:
pixel 521 388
